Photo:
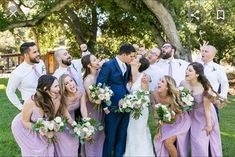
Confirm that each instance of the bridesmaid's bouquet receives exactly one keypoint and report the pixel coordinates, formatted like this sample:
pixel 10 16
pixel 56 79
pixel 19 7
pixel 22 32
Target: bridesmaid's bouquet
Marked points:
pixel 43 126
pixel 165 115
pixel 134 103
pixel 100 93
pixel 86 129
pixel 186 99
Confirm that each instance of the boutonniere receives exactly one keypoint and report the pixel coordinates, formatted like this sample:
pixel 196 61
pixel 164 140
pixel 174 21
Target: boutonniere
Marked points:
pixel 43 69
pixel 180 64
pixel 214 69
pixel 74 67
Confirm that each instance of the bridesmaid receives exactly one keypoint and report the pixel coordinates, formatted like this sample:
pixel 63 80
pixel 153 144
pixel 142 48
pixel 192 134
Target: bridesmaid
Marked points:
pixel 91 66
pixel 45 103
pixel 205 132
pixel 168 94
pixel 67 145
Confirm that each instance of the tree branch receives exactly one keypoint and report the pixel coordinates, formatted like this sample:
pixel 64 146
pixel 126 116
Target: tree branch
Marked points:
pixel 40 17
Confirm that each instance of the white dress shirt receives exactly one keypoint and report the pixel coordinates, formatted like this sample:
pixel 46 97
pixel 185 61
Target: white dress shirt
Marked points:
pixel 122 65
pixel 76 72
pixel 156 74
pixel 179 67
pixel 217 76
pixel 25 79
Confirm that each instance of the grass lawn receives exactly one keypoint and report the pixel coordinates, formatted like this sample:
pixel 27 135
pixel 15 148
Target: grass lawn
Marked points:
pixel 8 146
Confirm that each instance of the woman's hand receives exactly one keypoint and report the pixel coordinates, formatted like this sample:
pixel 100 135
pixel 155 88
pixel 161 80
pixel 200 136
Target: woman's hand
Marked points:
pixel 49 134
pixel 158 135
pixel 208 130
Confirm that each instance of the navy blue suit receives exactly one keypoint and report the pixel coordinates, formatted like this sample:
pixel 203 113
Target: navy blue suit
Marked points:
pixel 115 123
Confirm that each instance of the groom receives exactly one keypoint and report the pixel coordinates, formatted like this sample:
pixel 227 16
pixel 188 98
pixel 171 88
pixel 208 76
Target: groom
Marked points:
pixel 115 73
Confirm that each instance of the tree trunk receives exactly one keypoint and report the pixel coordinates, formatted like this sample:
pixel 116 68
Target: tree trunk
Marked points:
pixel 93 32
pixel 166 20
pixel 73 21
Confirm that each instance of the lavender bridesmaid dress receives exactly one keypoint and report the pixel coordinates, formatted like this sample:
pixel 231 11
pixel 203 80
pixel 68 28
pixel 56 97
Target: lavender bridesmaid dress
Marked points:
pixel 180 129
pixel 199 140
pixel 95 149
pixel 66 144
pixel 30 142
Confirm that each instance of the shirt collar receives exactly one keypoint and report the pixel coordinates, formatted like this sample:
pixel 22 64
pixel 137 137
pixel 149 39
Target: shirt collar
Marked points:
pixel 119 61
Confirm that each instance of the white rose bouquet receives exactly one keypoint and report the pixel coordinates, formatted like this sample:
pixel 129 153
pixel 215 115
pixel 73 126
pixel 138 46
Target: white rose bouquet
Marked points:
pixel 43 126
pixel 186 99
pixel 100 93
pixel 165 115
pixel 86 129
pixel 134 103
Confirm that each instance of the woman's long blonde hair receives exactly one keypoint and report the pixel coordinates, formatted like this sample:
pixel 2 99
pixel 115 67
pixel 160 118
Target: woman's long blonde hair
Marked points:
pixel 174 94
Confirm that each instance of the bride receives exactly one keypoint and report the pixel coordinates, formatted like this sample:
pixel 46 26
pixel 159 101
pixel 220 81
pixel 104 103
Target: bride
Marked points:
pixel 138 141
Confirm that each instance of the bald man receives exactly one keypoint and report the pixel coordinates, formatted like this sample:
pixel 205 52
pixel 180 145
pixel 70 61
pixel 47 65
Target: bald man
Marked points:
pixel 68 66
pixel 215 73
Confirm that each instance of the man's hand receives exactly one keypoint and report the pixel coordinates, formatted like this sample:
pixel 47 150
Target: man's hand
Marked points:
pixel 106 110
pixel 205 43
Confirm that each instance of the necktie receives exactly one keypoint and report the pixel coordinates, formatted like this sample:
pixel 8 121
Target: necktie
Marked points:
pixel 70 72
pixel 170 69
pixel 123 68
pixel 35 71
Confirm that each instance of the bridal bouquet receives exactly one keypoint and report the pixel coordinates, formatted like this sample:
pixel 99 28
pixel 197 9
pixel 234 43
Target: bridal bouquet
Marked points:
pixel 86 129
pixel 100 93
pixel 186 98
pixel 165 115
pixel 43 126
pixel 134 103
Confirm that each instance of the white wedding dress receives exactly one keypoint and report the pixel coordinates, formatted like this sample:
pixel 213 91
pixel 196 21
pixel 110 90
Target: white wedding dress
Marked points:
pixel 138 141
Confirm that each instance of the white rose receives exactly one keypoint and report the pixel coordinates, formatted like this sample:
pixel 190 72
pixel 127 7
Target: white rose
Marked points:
pixel 101 96
pixel 61 124
pixel 51 125
pixel 85 129
pixel 58 119
pixel 101 90
pixel 74 123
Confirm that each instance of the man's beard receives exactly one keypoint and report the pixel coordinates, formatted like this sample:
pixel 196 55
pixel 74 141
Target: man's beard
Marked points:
pixel 67 62
pixel 33 60
pixel 166 55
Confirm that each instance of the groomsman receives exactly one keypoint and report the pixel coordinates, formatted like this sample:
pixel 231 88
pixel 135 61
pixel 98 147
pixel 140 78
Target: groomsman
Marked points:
pixel 154 71
pixel 215 73
pixel 170 66
pixel 25 76
pixel 68 66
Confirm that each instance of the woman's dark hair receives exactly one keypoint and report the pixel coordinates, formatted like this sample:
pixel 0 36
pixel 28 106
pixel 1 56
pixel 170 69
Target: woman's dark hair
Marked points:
pixel 44 101
pixel 144 64
pixel 198 67
pixel 126 49
pixel 86 60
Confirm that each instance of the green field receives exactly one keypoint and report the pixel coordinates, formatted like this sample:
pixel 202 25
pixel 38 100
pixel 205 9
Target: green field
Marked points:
pixel 8 146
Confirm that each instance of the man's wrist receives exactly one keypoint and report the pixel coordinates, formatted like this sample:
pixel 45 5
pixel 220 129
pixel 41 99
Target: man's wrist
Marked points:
pixel 106 109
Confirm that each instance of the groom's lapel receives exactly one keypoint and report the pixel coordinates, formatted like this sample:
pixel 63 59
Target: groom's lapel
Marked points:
pixel 117 66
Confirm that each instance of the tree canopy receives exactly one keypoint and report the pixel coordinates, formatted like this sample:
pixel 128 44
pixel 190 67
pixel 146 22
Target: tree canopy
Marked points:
pixel 104 24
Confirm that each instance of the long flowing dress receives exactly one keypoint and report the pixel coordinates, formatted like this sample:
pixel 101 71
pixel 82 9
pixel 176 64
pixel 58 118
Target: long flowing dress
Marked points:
pixel 95 149
pixel 30 142
pixel 199 140
pixel 138 141
pixel 66 144
pixel 180 129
